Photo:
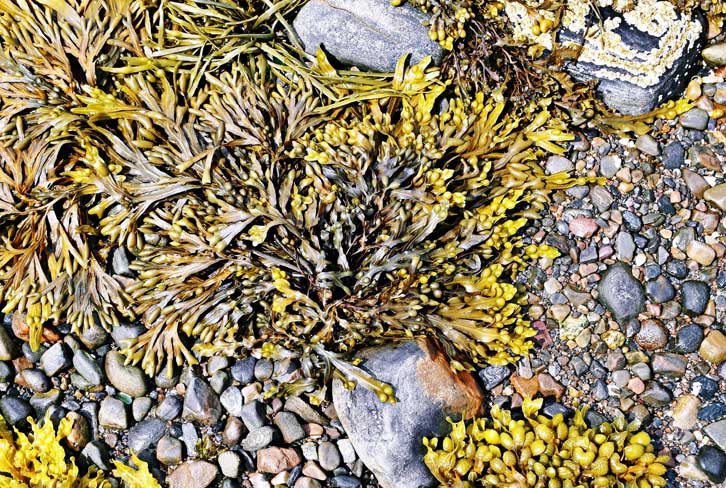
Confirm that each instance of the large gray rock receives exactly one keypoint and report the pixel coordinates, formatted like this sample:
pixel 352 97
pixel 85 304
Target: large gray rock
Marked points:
pixel 370 34
pixel 388 436
pixel 642 55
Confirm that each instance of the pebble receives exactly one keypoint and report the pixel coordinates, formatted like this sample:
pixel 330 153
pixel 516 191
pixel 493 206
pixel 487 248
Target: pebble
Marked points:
pixel 232 401
pixel 712 461
pixel 140 407
pixel 652 335
pixel 289 427
pixel 712 412
pixel 685 412
pixel 113 414
pixel 713 347
pixel 128 379
pixel 673 155
pixel 621 293
pixel 656 395
pixel 302 409
pixel 230 464
pixel 583 226
pixel 344 481
pixel 195 474
pixel 688 338
pixel 169 450
pixel 610 165
pixel 274 460
pixel 36 380
pixel 624 246
pixel 647 144
pixel 556 164
pixel 87 367
pixel 259 438
pixel 56 359
pixel 263 369
pixel 695 118
pixel 695 183
pixel 253 415
pixel 15 410
pixel 244 370
pixel 9 349
pixel 328 456
pixel 146 434
pixel 716 196
pixel 170 408
pixel 704 387
pixel 660 290
pixel 201 403
pixel 669 364
pixel 701 253
pixel 695 296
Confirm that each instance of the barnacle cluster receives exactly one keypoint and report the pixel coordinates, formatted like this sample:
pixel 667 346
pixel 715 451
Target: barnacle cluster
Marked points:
pixel 38 460
pixel 541 452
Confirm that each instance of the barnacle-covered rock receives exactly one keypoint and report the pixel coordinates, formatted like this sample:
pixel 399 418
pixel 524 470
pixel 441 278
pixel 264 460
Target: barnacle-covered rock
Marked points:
pixel 641 53
pixel 541 451
pixel 370 34
pixel 387 436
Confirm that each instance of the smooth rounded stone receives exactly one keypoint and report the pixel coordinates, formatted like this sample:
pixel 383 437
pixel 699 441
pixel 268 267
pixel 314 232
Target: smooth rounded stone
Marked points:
pixel 289 427
pixel 656 395
pixel 344 481
pixel 80 434
pixel 217 363
pixel 88 367
pixel 695 182
pixel 689 469
pixel 685 411
pixel 701 253
pixel 146 434
pixel 232 401
pixel 163 380
pixel 621 378
pixel 673 155
pixel 648 145
pixel 253 414
pixel 194 474
pixel 660 290
pixel 123 332
pixel 370 34
pixel 652 335
pixel 169 450
pixel 715 54
pixel 669 364
pixel 557 164
pixel 244 370
pixel 259 438
pixel 127 379
pixel 93 335
pixel 712 461
pixel 6 372
pixel 232 432
pixel 695 296
pixel 624 246
pixel 493 375
pixel 688 338
pixel 695 118
pixel 230 464
pixel 306 482
pixel 712 412
pixel 302 409
pixel 713 347
pixel 264 369
pixel 33 356
pixel 140 408
pixel 610 165
pixel 677 269
pixel 36 380
pixel 56 359
pixel 601 198
pixel 594 419
pixel 621 293
pixel 704 387
pixel 170 408
pixel 641 370
pixel 716 196
pixel 41 402
pixel 9 348
pixel 328 456
pixel 219 381
pixel 96 453
pixel 201 403
pixel 113 414
pixel 717 432
pixel 273 460
pixel 641 414
pixel 387 436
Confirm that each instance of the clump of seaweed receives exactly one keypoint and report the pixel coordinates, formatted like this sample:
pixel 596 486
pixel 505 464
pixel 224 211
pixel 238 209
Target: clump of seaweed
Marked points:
pixel 38 460
pixel 538 451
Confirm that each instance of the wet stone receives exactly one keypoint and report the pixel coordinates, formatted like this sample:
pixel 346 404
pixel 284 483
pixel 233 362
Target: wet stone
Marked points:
pixel 146 434
pixel 170 408
pixel 695 118
pixel 201 403
pixel 673 155
pixel 253 415
pixel 232 401
pixel 704 387
pixel 712 412
pixel 36 380
pixel 169 450
pixel 660 290
pixel 621 293
pixel 656 395
pixel 112 414
pixel 244 370
pixel 695 296
pixel 195 474
pixel 688 338
pixel 140 407
pixel 128 379
pixel 289 427
pixel 493 375
pixel 87 367
pixel 652 335
pixel 669 364
pixel 259 438
pixel 712 461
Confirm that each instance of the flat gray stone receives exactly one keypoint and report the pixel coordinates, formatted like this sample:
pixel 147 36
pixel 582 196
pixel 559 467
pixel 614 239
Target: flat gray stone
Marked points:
pixel 201 403
pixel 370 34
pixel 621 293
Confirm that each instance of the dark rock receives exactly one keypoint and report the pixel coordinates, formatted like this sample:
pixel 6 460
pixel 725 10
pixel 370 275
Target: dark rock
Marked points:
pixel 695 296
pixel 656 395
pixel 673 155
pixel 43 401
pixel 712 461
pixel 669 364
pixel 387 436
pixel 677 269
pixel 665 60
pixel 343 481
pixel 493 375
pixel 594 419
pixel 621 293
pixel 660 290
pixel 712 412
pixel 9 348
pixel 371 34
pixel 688 338
pixel 146 434
pixel 15 410
pixel 704 387
pixel 253 414
pixel 169 408
pixel 201 403
pixel 244 370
